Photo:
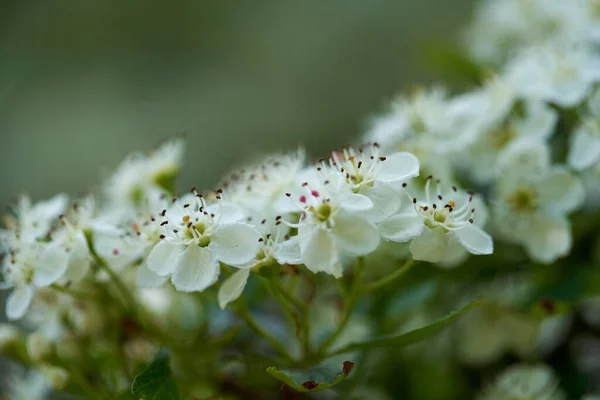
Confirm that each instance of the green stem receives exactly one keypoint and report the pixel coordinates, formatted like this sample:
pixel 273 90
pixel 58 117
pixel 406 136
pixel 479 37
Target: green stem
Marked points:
pixel 285 299
pixel 130 302
pixel 71 292
pixel 244 313
pixel 304 310
pixel 349 303
pixel 390 278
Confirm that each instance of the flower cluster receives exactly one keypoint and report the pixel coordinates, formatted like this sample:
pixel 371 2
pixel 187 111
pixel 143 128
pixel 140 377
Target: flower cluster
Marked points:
pixel 440 176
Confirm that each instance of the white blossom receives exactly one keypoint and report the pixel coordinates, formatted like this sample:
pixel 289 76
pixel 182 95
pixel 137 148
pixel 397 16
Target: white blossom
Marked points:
pixel 129 185
pixel 375 176
pixel 438 224
pixel 522 381
pixel 556 72
pixel 532 200
pixel 276 246
pixel 196 237
pixel 429 125
pixel 505 119
pixel 260 187
pixel 500 27
pixel 331 224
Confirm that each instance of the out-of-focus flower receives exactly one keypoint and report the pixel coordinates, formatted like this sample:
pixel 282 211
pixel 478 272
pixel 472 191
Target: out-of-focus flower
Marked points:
pixel 557 72
pixel 522 381
pixel 533 198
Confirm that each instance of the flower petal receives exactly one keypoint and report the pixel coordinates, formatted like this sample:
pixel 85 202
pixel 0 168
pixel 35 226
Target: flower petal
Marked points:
pixel 233 287
pixel 585 148
pixel 548 238
pixel 354 202
pixel 399 167
pixel 474 239
pixel 319 251
pixel 401 227
pixel 386 201
pixel 356 235
pixel 430 245
pixel 288 252
pixel 229 212
pixel 51 265
pixel 79 259
pixel 163 257
pixel 147 279
pixel 18 302
pixel 561 191
pixel 196 270
pixel 235 244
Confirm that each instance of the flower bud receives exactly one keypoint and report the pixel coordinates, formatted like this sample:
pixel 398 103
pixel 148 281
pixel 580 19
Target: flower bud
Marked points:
pixel 38 347
pixel 57 377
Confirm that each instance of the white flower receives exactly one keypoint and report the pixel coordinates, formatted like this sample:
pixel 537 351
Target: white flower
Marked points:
pixel 29 267
pixel 524 381
pixel 127 188
pixel 196 236
pixel 532 200
pixel 428 125
pixel 260 187
pixel 500 27
pixel 505 120
pixel 369 173
pixel 331 224
pixel 556 72
pixel 437 225
pixel 585 145
pixel 31 221
pixel 275 246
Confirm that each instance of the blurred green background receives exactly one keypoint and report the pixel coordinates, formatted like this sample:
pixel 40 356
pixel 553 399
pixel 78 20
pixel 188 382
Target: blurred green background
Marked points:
pixel 84 82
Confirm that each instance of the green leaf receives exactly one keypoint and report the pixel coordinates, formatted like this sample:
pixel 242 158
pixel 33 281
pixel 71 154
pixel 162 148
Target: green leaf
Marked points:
pixel 313 379
pixel 156 382
pixel 408 338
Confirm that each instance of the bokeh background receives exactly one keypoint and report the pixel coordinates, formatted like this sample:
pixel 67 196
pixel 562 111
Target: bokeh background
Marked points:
pixel 84 82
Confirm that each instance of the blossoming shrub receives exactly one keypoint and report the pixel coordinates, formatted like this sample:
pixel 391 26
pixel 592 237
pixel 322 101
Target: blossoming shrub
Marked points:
pixel 458 238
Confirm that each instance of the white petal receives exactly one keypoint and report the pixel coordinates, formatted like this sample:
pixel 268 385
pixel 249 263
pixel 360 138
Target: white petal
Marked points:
pixel 402 227
pixel 430 245
pixel 229 213
pixel 288 252
pixel 319 252
pixel 18 302
pixel 585 148
pixel 163 257
pixel 525 156
pixel 386 201
pixel 561 191
pixel 52 208
pixel 235 244
pixel 356 235
pixel 474 239
pixel 354 202
pixel 233 287
pixel 79 259
pixel 147 279
pixel 548 238
pixel 51 265
pixel 197 269
pixel 399 167
pixel 539 122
